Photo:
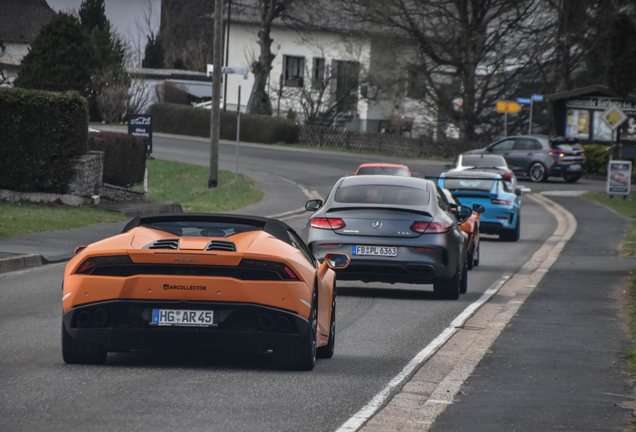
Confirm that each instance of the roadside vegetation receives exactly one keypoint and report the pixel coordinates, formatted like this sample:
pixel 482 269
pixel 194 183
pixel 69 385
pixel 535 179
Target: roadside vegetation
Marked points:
pixel 188 185
pixel 167 181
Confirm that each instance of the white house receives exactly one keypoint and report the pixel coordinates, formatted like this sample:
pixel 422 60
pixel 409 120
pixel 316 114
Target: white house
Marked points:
pixel 303 57
pixel 20 23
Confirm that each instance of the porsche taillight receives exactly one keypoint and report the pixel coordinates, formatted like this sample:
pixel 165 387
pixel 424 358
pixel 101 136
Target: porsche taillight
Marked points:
pixel 327 223
pixel 501 202
pixel 507 175
pixel 87 266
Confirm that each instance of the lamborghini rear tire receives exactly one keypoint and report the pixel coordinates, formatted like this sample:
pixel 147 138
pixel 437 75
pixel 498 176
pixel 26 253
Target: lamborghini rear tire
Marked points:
pixel 328 350
pixel 302 356
pixel 80 352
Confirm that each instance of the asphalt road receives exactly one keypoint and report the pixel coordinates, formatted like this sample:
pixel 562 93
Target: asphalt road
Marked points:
pixel 380 328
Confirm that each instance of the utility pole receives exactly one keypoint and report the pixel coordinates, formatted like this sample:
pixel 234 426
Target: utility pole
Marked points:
pixel 215 111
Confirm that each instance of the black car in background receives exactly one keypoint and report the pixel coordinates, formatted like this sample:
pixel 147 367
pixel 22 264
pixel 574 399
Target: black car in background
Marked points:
pixel 539 156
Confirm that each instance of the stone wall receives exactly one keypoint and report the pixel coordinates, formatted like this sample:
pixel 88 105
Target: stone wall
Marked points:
pixel 88 172
pixel 122 195
pixel 86 187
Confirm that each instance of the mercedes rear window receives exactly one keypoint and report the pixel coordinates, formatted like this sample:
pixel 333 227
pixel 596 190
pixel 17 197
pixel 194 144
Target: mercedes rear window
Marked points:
pixel 382 194
pixel 383 171
pixel 203 229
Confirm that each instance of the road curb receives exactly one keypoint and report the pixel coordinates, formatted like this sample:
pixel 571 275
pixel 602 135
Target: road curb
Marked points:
pixel 427 392
pixel 21 262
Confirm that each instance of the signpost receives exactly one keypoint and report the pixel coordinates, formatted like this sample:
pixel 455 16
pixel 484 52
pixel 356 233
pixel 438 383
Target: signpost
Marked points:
pixel 507 107
pixel 238 131
pixel 141 125
pixel 535 98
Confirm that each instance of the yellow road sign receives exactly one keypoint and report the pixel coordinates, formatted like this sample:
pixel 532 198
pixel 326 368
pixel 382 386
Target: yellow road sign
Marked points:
pixel 508 106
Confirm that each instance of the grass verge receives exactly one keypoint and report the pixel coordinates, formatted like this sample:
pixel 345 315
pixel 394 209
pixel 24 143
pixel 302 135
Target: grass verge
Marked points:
pixel 188 185
pixel 167 181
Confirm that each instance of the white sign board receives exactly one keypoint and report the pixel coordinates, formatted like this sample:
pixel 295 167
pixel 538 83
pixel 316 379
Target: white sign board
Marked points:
pixel 230 70
pixel 614 117
pixel 619 177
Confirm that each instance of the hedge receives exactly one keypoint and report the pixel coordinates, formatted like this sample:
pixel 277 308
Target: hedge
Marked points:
pixel 596 157
pixel 187 120
pixel 40 134
pixel 124 157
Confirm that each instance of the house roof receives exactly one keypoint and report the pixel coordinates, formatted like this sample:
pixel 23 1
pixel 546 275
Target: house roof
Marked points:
pixel 593 90
pixel 21 20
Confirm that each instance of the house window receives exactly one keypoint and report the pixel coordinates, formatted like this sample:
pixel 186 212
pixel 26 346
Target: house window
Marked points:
pixel 294 67
pixel 416 85
pixel 318 73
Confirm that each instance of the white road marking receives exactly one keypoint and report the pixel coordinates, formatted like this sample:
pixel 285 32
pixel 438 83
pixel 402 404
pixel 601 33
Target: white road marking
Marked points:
pixel 361 417
pixel 564 193
pixel 299 211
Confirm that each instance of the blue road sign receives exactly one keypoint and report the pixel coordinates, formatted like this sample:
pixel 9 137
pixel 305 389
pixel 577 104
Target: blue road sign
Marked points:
pixel 524 101
pixel 537 98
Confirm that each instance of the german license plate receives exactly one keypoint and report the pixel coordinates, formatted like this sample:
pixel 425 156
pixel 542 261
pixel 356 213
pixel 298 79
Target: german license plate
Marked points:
pixel 182 318
pixel 575 167
pixel 375 250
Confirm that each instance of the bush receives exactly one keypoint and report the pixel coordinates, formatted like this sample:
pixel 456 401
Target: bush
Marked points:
pixel 41 132
pixel 59 59
pixel 597 157
pixel 186 120
pixel 124 157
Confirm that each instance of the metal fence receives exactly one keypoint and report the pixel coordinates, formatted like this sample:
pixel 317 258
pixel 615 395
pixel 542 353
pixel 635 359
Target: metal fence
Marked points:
pixel 395 145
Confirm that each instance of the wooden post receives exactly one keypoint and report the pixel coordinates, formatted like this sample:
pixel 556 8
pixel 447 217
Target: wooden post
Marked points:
pixel 215 111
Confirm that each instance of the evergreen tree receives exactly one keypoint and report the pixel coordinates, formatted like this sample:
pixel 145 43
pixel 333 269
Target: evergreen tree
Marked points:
pixel 153 56
pixel 622 75
pixel 60 58
pixel 93 17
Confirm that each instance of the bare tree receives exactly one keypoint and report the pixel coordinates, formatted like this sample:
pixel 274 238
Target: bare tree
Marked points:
pixel 187 33
pixel 460 55
pixel 144 25
pixel 267 11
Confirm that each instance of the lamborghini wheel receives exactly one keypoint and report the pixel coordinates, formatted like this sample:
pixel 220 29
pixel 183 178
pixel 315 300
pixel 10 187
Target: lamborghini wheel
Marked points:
pixel 81 352
pixel 471 257
pixel 302 356
pixel 476 257
pixel 328 350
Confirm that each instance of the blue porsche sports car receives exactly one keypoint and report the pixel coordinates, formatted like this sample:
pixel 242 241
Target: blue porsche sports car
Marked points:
pixel 503 208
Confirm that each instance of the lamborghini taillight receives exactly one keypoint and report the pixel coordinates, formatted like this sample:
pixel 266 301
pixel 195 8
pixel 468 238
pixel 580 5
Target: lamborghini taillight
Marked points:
pixel 262 266
pixel 88 265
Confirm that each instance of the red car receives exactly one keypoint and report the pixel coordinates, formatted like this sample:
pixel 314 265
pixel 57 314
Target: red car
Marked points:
pixel 619 178
pixel 384 169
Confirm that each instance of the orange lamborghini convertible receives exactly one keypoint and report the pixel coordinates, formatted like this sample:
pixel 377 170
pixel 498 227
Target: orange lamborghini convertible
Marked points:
pixel 205 281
